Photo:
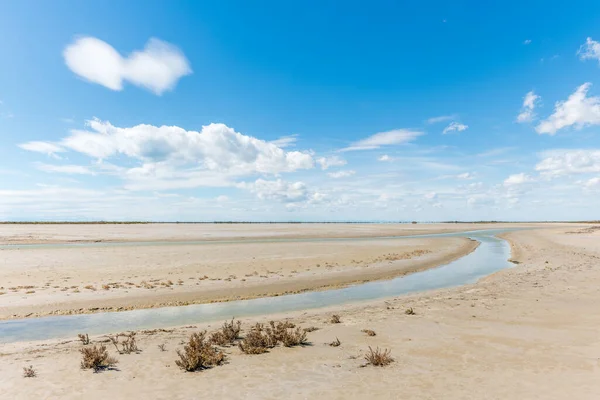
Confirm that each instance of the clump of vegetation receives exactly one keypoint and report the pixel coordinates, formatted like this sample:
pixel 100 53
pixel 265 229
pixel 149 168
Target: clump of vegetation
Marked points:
pixel 410 311
pixel 257 341
pixel 96 358
pixel 369 332
pixel 335 319
pixel 84 338
pixel 229 333
pixel 199 354
pixel 128 344
pixel 379 358
pixel 161 347
pixel 335 343
pixel 311 329
pixel 261 337
pixel 89 287
pixel 29 372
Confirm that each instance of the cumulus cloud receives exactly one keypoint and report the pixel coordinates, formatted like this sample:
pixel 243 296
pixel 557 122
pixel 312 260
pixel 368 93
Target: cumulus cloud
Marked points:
pixel 341 174
pixel 157 68
pixel 527 110
pixel 517 179
pixel 455 127
pixel 384 158
pixel 556 163
pixel 333 161
pixel 578 111
pixel 280 190
pixel 170 157
pixel 589 50
pixel 394 137
pixel 593 183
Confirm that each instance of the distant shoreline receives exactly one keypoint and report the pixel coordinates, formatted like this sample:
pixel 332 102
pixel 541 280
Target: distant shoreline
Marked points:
pixel 280 222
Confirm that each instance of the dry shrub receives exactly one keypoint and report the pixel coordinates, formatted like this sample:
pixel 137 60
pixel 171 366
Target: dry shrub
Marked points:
pixel 335 319
pixel 369 332
pixel 260 338
pixel 84 338
pixel 379 358
pixel 161 347
pixel 199 354
pixel 410 311
pixel 29 372
pixel 229 333
pixel 311 329
pixel 96 358
pixel 257 341
pixel 128 344
pixel 335 343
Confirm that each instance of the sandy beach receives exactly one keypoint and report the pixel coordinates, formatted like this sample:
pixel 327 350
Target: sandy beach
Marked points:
pixel 527 332
pixel 161 270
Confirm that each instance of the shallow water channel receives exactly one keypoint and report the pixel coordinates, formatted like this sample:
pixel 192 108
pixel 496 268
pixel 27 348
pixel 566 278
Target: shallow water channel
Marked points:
pixel 490 256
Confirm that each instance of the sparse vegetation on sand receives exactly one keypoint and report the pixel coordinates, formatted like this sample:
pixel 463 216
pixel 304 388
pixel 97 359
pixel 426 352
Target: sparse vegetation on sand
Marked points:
pixel 84 338
pixel 410 311
pixel 96 357
pixel 29 372
pixel 229 333
pixel 261 337
pixel 379 358
pixel 162 347
pixel 199 354
pixel 335 343
pixel 335 319
pixel 128 344
pixel 369 332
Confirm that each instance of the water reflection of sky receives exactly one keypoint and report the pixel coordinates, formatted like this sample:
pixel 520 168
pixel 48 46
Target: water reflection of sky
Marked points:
pixel 492 255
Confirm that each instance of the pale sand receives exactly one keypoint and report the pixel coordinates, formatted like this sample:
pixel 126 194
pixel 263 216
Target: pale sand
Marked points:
pixel 530 332
pixel 66 280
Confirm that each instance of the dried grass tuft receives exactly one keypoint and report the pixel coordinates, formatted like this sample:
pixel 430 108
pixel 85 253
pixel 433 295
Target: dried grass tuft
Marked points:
pixel 128 344
pixel 379 358
pixel 410 311
pixel 29 372
pixel 335 319
pixel 369 332
pixel 84 338
pixel 335 343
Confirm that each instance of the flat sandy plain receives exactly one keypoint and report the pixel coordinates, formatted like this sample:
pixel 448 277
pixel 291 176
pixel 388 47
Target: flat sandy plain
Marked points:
pixel 529 332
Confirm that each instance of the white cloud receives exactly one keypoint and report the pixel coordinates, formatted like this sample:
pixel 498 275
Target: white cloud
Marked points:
pixel 285 141
pixel 222 198
pixel 431 196
pixel 441 118
pixel 589 50
pixel 170 157
pixel 517 179
pixel 529 102
pixel 157 68
pixel 333 161
pixel 65 169
pixel 455 127
pixel 42 147
pixel 394 137
pixel 556 163
pixel 280 190
pixel 466 175
pixel 578 110
pixel 527 41
pixel 341 174
pixel 384 158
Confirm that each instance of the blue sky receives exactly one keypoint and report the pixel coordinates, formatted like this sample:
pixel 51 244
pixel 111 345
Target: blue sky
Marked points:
pixel 309 111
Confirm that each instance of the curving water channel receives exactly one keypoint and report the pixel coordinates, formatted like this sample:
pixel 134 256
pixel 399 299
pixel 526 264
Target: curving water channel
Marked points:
pixel 490 256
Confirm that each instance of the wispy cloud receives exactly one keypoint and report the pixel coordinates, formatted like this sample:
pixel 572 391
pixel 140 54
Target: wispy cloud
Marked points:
pixel 389 138
pixel 455 127
pixel 441 118
pixel 527 113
